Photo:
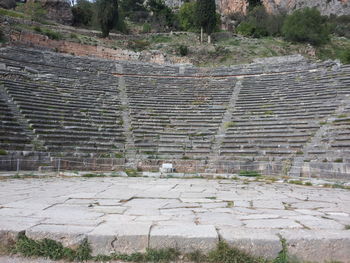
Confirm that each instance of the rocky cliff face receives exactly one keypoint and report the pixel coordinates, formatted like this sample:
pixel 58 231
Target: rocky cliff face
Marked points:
pixel 326 7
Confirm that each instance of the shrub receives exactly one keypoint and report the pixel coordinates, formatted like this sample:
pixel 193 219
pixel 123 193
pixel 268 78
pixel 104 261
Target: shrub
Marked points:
pixel 258 23
pixel 340 25
pixel 345 58
pixel 3 152
pixel 2 39
pixel 52 34
pixel 163 16
pixel 306 25
pixel 187 17
pixel 146 28
pixel 83 13
pixel 246 28
pixel 183 50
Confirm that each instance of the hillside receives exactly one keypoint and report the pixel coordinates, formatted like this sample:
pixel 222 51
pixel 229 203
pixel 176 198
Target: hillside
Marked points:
pixel 227 48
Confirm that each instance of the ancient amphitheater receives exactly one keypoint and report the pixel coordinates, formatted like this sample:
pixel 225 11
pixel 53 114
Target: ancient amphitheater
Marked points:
pixel 280 116
pixel 273 116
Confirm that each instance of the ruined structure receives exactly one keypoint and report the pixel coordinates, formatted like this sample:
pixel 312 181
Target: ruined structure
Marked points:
pixel 280 115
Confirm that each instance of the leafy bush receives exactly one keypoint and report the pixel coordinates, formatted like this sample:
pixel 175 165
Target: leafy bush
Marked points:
pixel 187 17
pixel 2 39
pixel 83 13
pixel 163 16
pixel 258 23
pixel 340 25
pixel 306 25
pixel 345 58
pixel 146 28
pixel 182 50
pixel 52 34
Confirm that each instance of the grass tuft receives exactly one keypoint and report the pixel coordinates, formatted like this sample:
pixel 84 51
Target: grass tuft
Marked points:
pixel 225 254
pixel 249 173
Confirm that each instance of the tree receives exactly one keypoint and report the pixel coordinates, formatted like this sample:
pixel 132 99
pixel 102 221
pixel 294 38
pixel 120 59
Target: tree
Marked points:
pixel 187 16
pixel 83 12
pixel 206 14
pixel 107 15
pixel 306 25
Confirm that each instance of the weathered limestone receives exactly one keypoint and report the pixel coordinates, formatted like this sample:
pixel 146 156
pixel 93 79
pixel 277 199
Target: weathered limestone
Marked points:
pixel 126 215
pixel 184 237
pixel 119 237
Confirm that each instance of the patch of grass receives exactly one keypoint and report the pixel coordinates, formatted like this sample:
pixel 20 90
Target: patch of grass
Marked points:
pixel 308 183
pixel 118 155
pixel 50 249
pixel 5 12
pixel 230 204
pixel 282 256
pixel 3 152
pixel 268 112
pixel 196 256
pixel 229 124
pixel 225 254
pixel 185 157
pixel 298 182
pixel 347 227
pixel 249 173
pixel 211 197
pixel 339 160
pixel 93 175
pixel 131 172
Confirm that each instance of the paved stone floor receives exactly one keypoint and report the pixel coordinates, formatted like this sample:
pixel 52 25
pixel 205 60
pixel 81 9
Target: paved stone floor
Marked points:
pixel 131 214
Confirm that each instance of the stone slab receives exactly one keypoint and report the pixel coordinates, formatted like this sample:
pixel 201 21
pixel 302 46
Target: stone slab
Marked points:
pixel 318 246
pixel 263 243
pixel 185 237
pixel 120 237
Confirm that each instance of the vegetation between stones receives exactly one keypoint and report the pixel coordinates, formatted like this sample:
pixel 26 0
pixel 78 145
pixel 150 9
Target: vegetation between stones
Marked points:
pixel 223 253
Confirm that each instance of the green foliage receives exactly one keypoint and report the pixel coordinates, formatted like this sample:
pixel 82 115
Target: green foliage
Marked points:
pixel 161 255
pixel 44 248
pixel 188 17
pixel 5 12
pixel 258 23
pixel 249 173
pixel 34 10
pixel 83 252
pixel 132 8
pixel 107 15
pixel 206 15
pixel 225 254
pixel 3 152
pixel 131 172
pixel 306 25
pixel 345 57
pixel 340 25
pixel 182 50
pixel 138 45
pixel 163 16
pixel 282 256
pixel 146 28
pixel 83 13
pixel 48 32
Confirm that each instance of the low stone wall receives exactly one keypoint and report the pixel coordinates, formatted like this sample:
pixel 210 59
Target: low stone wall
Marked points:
pixel 35 40
pixel 326 170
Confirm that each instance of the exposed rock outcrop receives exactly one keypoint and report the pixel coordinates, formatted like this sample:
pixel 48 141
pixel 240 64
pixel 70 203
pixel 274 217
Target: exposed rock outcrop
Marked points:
pixel 326 7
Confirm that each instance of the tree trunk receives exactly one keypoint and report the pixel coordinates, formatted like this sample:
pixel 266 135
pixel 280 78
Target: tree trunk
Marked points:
pixel 209 39
pixel 201 34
